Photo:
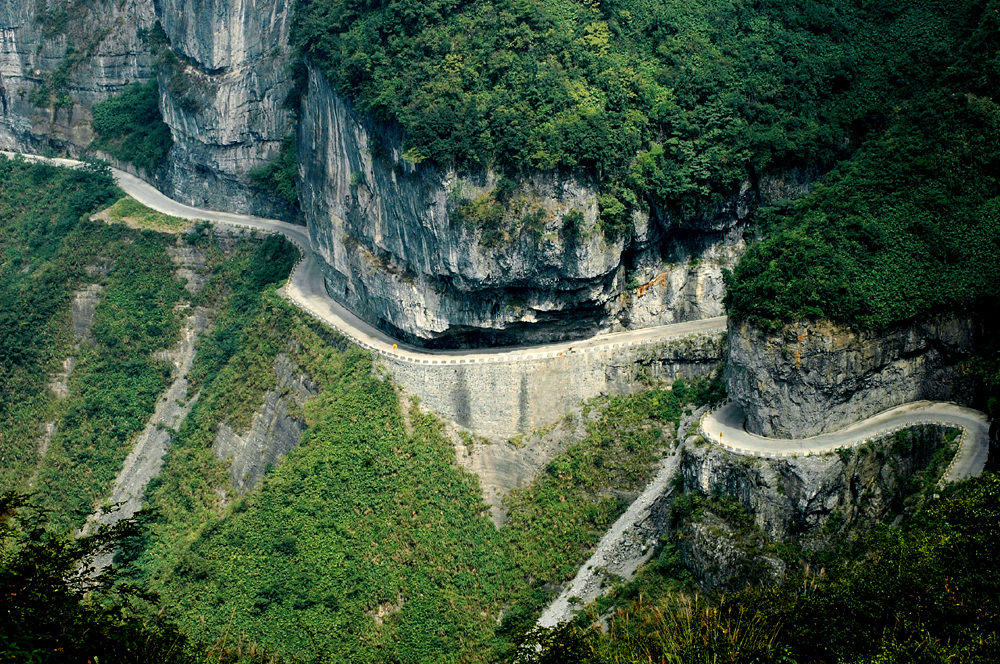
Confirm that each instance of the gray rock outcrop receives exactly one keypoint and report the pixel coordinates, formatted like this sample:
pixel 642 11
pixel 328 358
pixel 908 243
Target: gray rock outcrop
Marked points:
pixel 814 377
pixel 805 500
pixel 274 431
pixel 223 83
pixel 66 57
pixel 792 496
pixel 223 97
pixel 397 250
pixel 721 558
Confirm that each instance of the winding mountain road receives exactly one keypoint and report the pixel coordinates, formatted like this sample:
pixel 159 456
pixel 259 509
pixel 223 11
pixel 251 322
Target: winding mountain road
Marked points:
pixel 307 289
pixel 624 547
pixel 727 426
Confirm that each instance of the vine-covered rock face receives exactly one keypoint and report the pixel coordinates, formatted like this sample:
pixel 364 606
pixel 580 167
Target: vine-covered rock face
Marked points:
pixel 815 377
pixel 447 259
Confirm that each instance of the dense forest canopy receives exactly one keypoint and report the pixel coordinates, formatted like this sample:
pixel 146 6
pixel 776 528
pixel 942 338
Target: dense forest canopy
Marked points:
pixel 665 102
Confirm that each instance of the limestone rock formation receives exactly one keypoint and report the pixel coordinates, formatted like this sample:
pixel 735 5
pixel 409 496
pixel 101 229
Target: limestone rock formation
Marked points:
pixel 396 246
pixel 802 499
pixel 57 61
pixel 721 558
pixel 223 77
pixel 223 97
pixel 791 496
pixel 275 429
pixel 814 377
pixel 398 249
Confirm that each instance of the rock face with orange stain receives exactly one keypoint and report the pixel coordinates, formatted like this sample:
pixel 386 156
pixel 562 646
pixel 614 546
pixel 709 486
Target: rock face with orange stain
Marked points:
pixel 815 377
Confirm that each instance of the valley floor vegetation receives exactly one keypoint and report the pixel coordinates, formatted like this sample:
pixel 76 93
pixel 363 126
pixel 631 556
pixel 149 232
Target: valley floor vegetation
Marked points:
pixel 926 592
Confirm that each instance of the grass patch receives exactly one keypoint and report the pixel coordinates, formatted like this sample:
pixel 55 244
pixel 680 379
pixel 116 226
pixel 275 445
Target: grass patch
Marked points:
pixel 134 214
pixel 130 127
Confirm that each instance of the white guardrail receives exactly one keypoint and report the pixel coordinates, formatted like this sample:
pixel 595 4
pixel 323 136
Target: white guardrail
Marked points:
pixel 505 357
pixel 863 441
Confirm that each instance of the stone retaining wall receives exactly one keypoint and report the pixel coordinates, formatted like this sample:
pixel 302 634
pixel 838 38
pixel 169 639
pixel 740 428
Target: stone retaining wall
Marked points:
pixel 499 398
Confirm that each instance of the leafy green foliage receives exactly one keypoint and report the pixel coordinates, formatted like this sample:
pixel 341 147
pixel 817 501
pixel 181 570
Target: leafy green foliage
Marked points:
pixel 57 609
pixel 280 174
pixel 675 102
pixel 45 244
pixel 367 543
pixel 911 225
pixel 118 378
pixel 130 127
pixel 239 282
pixel 927 593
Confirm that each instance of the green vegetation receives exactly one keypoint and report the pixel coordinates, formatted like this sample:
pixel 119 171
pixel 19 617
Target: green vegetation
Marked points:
pixel 925 593
pixel 911 224
pixel 136 215
pixel 50 248
pixel 670 104
pixel 129 127
pixel 45 245
pixel 54 611
pixel 279 175
pixel 117 378
pixel 367 542
pixel 58 609
pixel 670 100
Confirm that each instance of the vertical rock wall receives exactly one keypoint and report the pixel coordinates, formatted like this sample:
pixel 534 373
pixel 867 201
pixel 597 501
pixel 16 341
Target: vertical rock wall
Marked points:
pixel 223 85
pixel 815 377
pixel 223 96
pixel 397 251
pixel 80 53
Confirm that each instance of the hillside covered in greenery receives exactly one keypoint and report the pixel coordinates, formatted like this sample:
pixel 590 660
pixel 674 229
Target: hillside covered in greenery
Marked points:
pixel 666 103
pixel 924 593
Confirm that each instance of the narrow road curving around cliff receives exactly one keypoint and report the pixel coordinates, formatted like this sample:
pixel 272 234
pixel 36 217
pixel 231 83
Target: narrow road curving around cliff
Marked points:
pixel 726 426
pixel 629 543
pixel 306 288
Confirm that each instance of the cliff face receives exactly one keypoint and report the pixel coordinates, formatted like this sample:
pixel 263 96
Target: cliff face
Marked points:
pixel 223 97
pixel 815 377
pixel 223 85
pixel 416 249
pixel 398 246
pixel 57 62
pixel 806 499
